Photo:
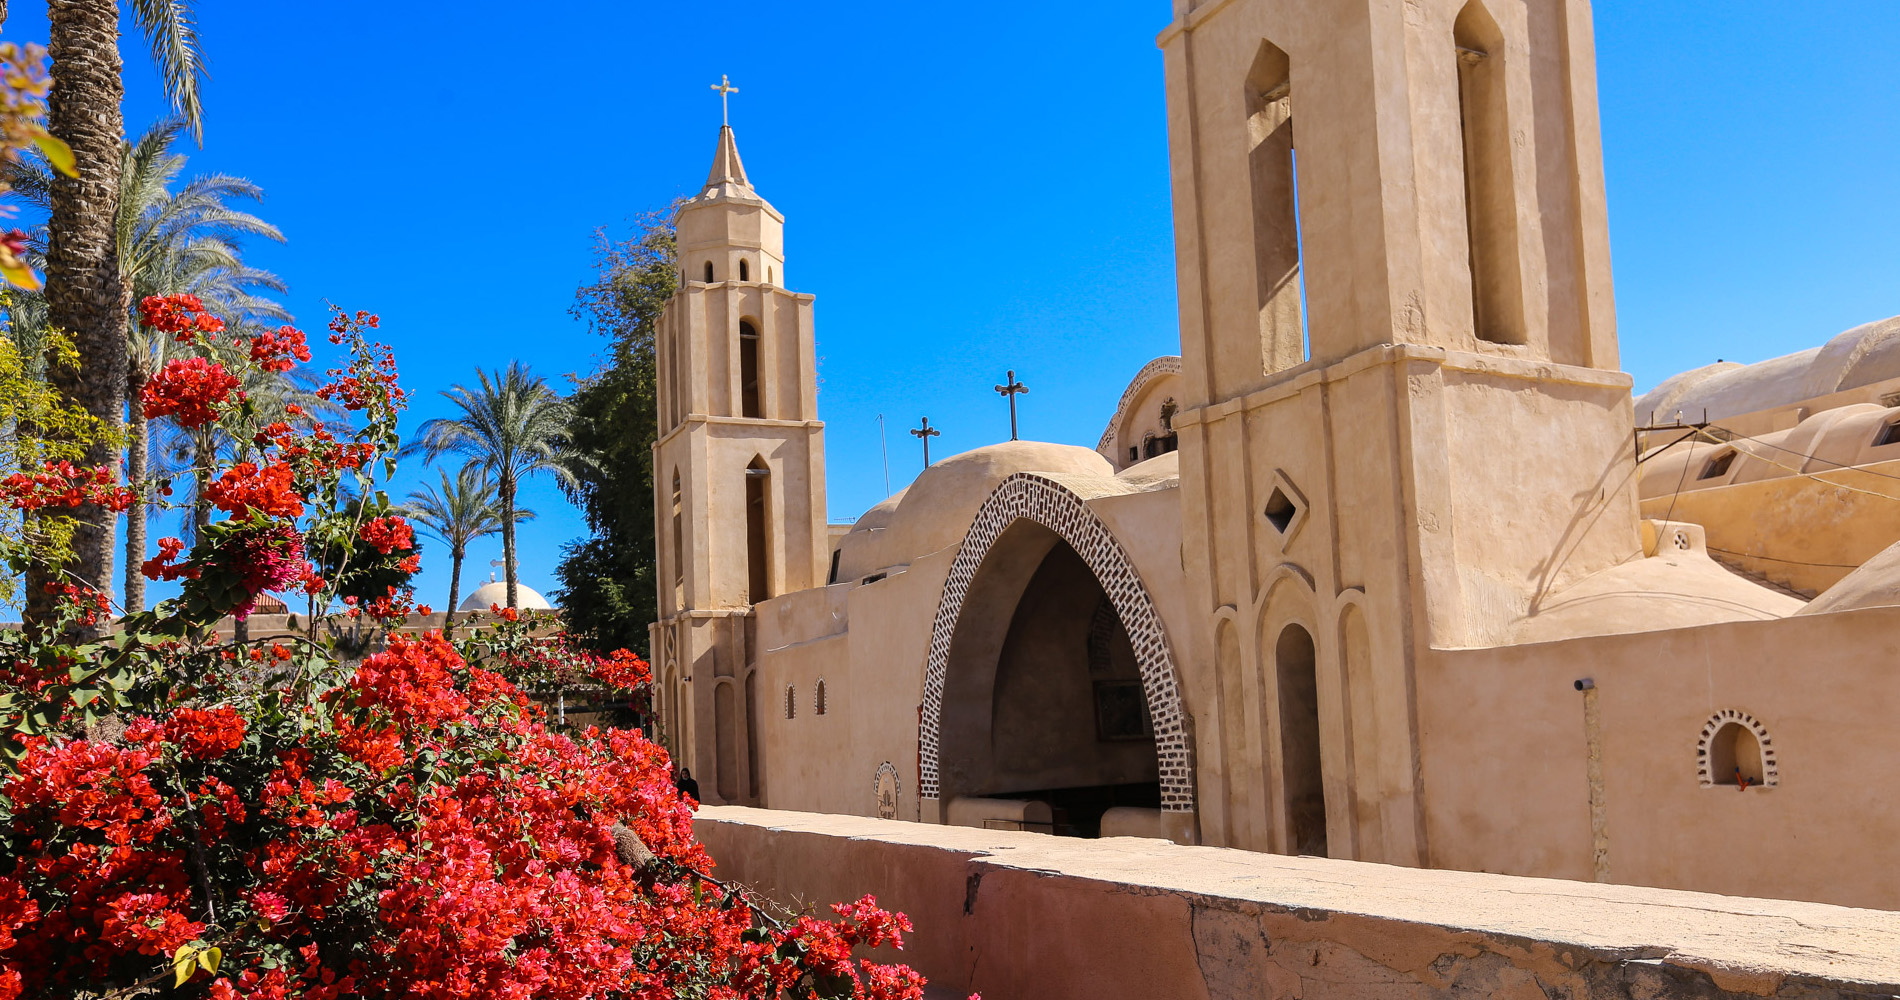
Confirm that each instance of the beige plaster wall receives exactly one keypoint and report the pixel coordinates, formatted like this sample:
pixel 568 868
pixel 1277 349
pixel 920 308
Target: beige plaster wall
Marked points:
pixel 1505 756
pixel 1023 915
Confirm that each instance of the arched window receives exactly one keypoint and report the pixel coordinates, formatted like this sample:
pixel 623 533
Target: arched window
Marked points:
pixel 709 271
pixel 679 544
pixel 1297 665
pixel 1274 187
pixel 819 698
pixel 749 402
pixel 758 482
pixel 791 701
pixel 768 274
pixel 1497 303
pixel 743 271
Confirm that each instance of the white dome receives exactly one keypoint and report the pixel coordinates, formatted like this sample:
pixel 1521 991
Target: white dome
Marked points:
pixel 496 592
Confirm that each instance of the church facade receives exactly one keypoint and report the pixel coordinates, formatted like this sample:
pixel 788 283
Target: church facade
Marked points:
pixel 1383 566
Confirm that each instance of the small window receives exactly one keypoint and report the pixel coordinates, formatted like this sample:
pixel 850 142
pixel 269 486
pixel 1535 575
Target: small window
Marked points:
pixel 791 701
pixel 1280 510
pixel 819 699
pixel 743 276
pixel 1889 434
pixel 836 554
pixel 768 274
pixel 1134 454
pixel 1718 466
pixel 709 271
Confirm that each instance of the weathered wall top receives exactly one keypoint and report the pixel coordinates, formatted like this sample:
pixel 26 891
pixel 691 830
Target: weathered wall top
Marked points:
pixel 1021 914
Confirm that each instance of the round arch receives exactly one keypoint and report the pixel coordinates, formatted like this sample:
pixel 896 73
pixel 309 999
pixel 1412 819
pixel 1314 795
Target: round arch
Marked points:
pixel 1026 496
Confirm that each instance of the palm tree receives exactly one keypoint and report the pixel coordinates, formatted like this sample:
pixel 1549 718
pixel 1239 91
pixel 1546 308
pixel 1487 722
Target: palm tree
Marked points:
pixel 462 510
pixel 169 244
pixel 84 294
pixel 513 426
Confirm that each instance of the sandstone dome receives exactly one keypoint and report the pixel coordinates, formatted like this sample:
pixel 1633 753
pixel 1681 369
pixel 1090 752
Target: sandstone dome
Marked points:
pixel 1866 354
pixel 935 511
pixel 496 592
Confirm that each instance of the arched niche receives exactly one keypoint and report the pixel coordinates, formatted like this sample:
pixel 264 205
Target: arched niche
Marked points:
pixel 1014 531
pixel 1732 742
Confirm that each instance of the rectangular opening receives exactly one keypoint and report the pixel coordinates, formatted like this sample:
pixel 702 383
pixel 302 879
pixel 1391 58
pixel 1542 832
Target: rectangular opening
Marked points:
pixel 1273 185
pixel 1497 301
pixel 756 482
pixel 750 404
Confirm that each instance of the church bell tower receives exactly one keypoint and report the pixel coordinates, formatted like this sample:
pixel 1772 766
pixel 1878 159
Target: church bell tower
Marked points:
pixel 738 473
pixel 1404 424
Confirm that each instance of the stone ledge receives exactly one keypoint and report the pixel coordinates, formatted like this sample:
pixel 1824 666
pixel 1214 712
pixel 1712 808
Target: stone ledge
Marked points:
pixel 1021 914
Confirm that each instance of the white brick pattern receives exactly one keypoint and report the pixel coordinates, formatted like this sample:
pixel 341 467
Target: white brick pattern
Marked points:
pixel 1027 496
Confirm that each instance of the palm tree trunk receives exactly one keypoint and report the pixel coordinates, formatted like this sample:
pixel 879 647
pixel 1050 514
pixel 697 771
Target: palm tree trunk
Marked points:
pixel 455 590
pixel 84 295
pixel 508 535
pixel 137 461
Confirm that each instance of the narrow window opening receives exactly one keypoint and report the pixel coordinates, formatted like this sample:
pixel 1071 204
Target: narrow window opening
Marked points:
pixel 836 554
pixel 818 699
pixel 679 544
pixel 758 481
pixel 768 274
pixel 743 276
pixel 1297 664
pixel 1718 466
pixel 709 272
pixel 1272 169
pixel 749 371
pixel 1497 307
pixel 752 735
pixel 1889 434
pixel 791 701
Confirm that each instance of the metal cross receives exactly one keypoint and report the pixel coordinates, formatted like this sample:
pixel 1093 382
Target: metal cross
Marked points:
pixel 726 90
pixel 926 432
pixel 1010 391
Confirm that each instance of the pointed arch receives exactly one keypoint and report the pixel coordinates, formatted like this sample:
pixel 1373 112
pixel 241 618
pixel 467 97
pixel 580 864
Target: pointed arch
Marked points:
pixel 1026 496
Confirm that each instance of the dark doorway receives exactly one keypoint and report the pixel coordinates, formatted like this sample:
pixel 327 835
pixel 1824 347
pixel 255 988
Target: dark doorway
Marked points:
pixel 1297 665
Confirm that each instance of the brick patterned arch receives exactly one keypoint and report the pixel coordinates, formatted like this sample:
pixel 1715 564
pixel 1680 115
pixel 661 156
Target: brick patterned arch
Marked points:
pixel 1026 496
pixel 1770 762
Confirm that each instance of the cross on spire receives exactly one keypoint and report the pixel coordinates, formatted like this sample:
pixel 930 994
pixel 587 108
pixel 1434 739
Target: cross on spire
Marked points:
pixel 726 90
pixel 1010 390
pixel 925 433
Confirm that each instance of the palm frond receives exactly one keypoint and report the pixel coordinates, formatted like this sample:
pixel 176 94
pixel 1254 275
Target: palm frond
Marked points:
pixel 167 26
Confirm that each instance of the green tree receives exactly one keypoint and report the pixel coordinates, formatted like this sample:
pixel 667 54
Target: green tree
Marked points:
pixel 85 297
pixel 514 425
pixel 608 591
pixel 463 509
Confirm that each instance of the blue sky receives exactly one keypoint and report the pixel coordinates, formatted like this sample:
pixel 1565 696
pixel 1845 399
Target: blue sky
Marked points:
pixel 968 188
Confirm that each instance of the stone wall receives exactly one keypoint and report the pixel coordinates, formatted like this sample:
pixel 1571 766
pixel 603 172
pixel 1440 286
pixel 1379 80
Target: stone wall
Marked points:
pixel 1020 915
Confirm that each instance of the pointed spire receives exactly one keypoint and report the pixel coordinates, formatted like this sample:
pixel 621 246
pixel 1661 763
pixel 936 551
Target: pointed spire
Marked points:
pixel 726 168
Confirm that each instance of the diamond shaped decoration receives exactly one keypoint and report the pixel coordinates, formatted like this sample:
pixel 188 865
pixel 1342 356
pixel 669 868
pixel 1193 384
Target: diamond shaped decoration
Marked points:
pixel 1285 509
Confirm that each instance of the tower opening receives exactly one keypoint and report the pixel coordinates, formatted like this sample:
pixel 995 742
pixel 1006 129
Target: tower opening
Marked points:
pixel 749 371
pixel 1296 665
pixel 744 273
pixel 679 544
pixel 1497 303
pixel 758 480
pixel 709 272
pixel 1276 222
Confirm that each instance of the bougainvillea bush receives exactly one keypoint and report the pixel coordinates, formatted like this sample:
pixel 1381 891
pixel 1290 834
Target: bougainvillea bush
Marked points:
pixel 186 816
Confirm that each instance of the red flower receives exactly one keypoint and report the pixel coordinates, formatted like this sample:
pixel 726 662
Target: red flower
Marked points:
pixel 205 734
pixel 65 485
pixel 274 350
pixel 189 390
pixel 245 487
pixel 388 534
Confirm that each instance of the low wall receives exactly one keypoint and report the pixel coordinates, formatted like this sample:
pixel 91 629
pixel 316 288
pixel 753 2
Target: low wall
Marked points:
pixel 1023 915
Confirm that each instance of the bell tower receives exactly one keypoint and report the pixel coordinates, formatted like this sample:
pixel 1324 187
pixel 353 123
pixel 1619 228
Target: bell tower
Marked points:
pixel 1404 424
pixel 738 472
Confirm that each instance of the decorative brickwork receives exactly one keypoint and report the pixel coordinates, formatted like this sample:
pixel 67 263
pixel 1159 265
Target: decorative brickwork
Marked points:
pixel 1770 771
pixel 1026 496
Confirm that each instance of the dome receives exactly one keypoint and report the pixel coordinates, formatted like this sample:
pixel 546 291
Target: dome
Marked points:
pixel 496 592
pixel 935 511
pixel 1876 584
pixel 1862 356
